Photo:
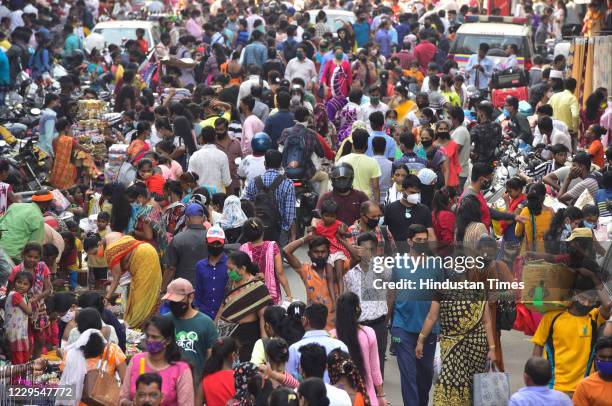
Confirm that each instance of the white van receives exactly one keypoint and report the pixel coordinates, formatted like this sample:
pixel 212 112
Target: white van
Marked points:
pixel 498 35
pixel 335 18
pixel 117 32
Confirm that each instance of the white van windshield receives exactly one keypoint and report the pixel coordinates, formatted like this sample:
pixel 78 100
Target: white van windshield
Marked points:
pixel 469 43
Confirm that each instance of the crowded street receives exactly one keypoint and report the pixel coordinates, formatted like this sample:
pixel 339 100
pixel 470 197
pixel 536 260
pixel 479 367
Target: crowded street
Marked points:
pixel 306 202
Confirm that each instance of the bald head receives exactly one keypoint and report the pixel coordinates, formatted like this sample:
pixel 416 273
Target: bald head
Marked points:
pixel 368 208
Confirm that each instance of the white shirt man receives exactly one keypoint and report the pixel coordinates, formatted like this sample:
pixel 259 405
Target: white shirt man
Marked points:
pixel 212 167
pixel 363 114
pixel 303 69
pixel 251 167
pixel 245 87
pixel 557 125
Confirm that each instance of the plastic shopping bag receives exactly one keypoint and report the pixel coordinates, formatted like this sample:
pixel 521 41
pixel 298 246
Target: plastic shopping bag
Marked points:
pixel 491 388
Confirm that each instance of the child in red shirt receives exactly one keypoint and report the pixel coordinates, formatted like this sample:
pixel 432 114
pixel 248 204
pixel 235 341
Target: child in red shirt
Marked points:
pixel 330 227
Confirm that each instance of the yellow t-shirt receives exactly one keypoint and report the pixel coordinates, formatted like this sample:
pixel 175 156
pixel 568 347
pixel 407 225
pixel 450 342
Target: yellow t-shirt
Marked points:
pixel 365 168
pixel 452 98
pixel 210 121
pixel 76 266
pixel 571 338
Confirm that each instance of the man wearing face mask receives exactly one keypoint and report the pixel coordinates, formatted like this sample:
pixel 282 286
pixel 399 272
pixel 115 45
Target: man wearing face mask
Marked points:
pixel 369 222
pixel 519 126
pixel 344 195
pixel 569 334
pixel 301 67
pixel 596 390
pixel 481 178
pixel 401 214
pixel 374 105
pixel 211 274
pixel 408 311
pixel 195 333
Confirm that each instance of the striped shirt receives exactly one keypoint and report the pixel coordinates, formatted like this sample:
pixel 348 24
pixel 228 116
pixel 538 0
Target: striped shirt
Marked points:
pixel 541 170
pixel 587 183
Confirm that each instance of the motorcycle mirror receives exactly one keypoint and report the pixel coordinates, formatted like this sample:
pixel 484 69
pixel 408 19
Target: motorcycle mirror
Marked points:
pixel 35 111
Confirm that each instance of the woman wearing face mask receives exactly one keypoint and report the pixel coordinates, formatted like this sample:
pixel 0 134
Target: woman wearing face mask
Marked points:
pixel 362 345
pixel 145 222
pixel 515 200
pixel 245 303
pixel 218 382
pixel 266 255
pixel 539 218
pixel 451 149
pixel 438 162
pixel 364 71
pixel 163 356
pixel 337 75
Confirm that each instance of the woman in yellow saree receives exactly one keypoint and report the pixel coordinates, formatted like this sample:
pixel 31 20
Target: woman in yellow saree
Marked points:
pixel 140 259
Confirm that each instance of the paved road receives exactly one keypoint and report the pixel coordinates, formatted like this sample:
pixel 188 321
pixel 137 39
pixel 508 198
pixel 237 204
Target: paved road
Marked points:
pixel 515 345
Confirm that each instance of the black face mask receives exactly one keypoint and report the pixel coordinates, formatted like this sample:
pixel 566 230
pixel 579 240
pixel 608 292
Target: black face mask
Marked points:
pixel 420 247
pixel 215 250
pixel 421 106
pixel 372 223
pixel 582 309
pixel 178 309
pixel 445 135
pixel 426 144
pixel 319 262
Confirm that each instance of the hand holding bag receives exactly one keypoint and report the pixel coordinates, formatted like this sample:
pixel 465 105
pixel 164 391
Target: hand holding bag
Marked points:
pixel 100 388
pixel 491 388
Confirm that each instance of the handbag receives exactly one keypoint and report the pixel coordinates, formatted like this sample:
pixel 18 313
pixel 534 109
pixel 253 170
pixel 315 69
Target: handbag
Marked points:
pixel 505 313
pixel 491 388
pixel 99 387
pixel 226 328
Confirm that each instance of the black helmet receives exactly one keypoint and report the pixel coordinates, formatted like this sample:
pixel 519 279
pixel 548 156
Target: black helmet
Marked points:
pixel 342 177
pixel 261 142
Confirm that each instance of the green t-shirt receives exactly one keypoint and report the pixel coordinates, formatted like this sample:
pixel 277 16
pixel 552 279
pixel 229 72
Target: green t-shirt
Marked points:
pixel 195 336
pixel 22 223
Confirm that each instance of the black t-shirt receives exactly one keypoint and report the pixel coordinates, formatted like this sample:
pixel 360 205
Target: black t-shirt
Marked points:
pixel 399 217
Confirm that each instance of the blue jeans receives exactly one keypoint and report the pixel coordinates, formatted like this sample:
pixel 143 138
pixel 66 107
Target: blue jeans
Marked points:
pixel 73 275
pixel 416 374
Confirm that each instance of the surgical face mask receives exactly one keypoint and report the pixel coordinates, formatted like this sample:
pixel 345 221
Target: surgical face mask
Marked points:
pixel 68 317
pixel 374 100
pixel 453 71
pixel 420 247
pixel 414 198
pixel 604 367
pixel 295 100
pixel 391 122
pixel 568 228
pixel 235 363
pixel 339 55
pixel 588 225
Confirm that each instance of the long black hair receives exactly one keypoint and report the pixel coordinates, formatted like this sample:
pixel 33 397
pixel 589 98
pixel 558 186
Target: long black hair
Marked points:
pixel 347 314
pixel 89 318
pixel 314 392
pixel 469 211
pixel 553 235
pixel 166 328
pixel 221 350
pixel 121 211
pixel 593 104
pixel 242 259
pixel 535 198
pixel 183 128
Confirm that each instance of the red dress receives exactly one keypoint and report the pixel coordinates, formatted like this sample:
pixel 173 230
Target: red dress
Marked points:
pixel 330 232
pixel 219 387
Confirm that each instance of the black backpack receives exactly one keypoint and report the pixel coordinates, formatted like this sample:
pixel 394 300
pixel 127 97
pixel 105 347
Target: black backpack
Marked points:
pixel 266 207
pixel 289 49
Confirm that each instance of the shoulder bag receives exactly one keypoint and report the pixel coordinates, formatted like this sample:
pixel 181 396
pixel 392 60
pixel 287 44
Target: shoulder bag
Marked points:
pixel 100 388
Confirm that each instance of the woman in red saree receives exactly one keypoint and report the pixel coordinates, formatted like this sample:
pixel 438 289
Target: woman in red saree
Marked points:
pixel 337 75
pixel 64 172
